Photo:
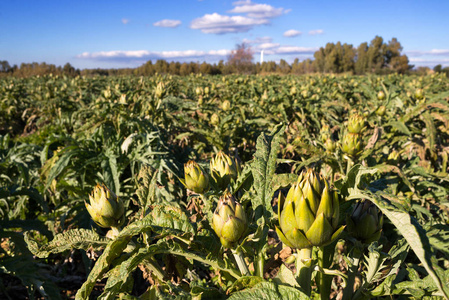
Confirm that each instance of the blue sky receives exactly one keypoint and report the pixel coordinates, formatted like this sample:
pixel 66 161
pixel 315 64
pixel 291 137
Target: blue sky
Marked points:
pixel 117 34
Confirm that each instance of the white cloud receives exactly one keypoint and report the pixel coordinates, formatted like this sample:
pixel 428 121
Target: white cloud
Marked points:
pixel 316 31
pixel 288 50
pixel 145 55
pixel 266 46
pixel 219 24
pixel 292 33
pixel 167 23
pixel 259 40
pixel 438 52
pixel 125 21
pixel 259 11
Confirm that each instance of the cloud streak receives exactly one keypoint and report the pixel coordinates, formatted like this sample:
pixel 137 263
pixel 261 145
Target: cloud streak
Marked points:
pixel 167 23
pixel 316 31
pixel 258 11
pixel 292 33
pixel 438 52
pixel 145 55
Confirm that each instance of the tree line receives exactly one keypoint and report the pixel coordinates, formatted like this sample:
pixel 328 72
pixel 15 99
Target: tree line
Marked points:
pixel 376 57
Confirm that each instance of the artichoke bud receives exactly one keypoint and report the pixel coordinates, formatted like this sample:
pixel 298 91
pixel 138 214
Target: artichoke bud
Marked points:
pixel 223 169
pixel 365 223
pixel 330 145
pixel 226 105
pixel 381 95
pixel 356 123
pixel 215 119
pixel 325 133
pixel 380 111
pixel 105 208
pixel 195 178
pixel 199 91
pixel 160 90
pixel 308 216
pixel 352 144
pixel 229 221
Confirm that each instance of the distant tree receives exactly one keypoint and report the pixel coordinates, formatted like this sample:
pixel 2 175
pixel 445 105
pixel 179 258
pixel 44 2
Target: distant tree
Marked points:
pixel 5 67
pixel 69 70
pixel 184 70
pixel 361 60
pixel 205 68
pixel 375 53
pixel 174 68
pixel 438 68
pixel 283 67
pixel 241 59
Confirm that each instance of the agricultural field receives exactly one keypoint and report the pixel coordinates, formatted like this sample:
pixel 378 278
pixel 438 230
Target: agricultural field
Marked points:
pixel 224 187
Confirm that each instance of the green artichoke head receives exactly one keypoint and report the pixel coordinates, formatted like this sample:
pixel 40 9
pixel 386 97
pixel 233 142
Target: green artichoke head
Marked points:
pixel 356 123
pixel 365 223
pixel 229 221
pixel 308 215
pixel 223 168
pixel 195 179
pixel 105 208
pixel 352 144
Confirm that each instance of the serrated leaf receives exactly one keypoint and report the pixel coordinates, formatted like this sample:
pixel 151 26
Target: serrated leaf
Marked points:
pixel 263 167
pixel 269 291
pixel 72 239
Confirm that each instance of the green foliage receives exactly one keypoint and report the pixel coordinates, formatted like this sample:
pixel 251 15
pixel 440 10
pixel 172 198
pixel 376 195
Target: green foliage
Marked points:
pixel 61 136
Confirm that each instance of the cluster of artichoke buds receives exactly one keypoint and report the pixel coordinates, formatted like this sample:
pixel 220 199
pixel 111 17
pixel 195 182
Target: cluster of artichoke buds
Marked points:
pixel 365 223
pixel 352 143
pixel 195 178
pixel 229 221
pixel 105 208
pixel 223 169
pixel 308 215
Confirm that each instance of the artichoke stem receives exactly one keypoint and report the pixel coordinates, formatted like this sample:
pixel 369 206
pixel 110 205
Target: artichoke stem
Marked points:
pixel 348 291
pixel 115 231
pixel 349 165
pixel 325 257
pixel 304 270
pixel 241 262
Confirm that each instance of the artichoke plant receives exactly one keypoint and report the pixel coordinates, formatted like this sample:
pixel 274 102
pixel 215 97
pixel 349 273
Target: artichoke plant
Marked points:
pixel 223 168
pixel 365 223
pixel 105 208
pixel 195 178
pixel 229 221
pixel 308 216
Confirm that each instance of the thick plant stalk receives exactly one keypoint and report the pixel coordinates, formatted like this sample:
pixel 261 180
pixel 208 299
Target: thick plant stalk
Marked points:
pixel 348 292
pixel 325 257
pixel 304 270
pixel 241 262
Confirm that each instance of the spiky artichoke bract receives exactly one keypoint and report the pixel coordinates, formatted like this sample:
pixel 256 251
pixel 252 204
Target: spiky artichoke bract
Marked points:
pixel 195 178
pixel 308 216
pixel 229 221
pixel 365 223
pixel 223 168
pixel 105 208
